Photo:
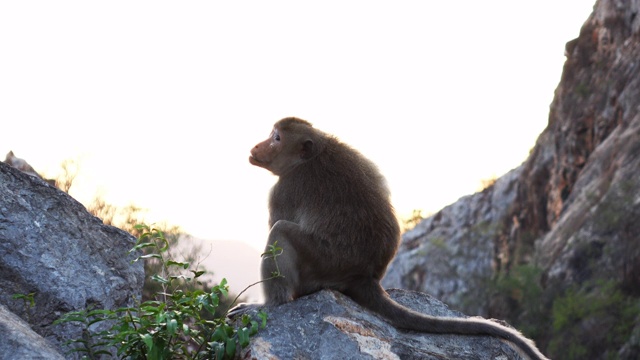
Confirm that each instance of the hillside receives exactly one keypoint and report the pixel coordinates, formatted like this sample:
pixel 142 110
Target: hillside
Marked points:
pixel 554 246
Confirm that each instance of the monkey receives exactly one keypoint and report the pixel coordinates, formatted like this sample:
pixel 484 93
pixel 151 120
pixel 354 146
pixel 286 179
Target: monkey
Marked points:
pixel 330 212
pixel 20 164
pixel 24 166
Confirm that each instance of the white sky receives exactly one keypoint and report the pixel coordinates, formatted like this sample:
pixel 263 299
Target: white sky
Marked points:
pixel 161 101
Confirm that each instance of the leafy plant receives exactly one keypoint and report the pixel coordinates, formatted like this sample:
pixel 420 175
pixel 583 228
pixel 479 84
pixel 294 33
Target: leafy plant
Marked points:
pixel 181 323
pixel 179 250
pixel 523 299
pixel 28 301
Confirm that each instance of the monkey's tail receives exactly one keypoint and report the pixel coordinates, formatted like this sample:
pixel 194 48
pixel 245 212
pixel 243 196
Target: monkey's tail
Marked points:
pixel 373 297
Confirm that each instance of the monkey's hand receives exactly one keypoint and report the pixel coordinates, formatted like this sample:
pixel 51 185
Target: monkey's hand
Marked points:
pixel 241 309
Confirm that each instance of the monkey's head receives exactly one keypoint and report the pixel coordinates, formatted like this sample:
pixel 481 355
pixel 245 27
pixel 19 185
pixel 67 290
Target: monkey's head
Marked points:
pixel 9 156
pixel 292 142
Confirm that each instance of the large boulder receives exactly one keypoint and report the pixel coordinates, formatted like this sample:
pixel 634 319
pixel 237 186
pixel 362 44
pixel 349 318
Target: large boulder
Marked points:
pixel 52 247
pixel 20 342
pixel 329 325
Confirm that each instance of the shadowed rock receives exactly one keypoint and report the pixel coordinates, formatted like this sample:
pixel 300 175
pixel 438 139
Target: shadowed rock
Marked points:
pixel 51 246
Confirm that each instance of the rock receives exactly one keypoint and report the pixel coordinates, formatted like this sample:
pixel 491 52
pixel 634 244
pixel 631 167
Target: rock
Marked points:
pixel 51 246
pixel 451 254
pixel 592 188
pixel 20 342
pixel 329 325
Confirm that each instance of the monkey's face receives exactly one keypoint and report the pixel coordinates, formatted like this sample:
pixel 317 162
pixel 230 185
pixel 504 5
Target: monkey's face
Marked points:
pixel 279 153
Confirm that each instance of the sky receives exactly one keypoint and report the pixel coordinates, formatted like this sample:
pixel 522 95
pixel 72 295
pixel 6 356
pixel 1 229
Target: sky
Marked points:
pixel 159 102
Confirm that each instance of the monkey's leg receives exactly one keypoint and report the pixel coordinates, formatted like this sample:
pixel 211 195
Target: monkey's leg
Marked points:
pixel 281 272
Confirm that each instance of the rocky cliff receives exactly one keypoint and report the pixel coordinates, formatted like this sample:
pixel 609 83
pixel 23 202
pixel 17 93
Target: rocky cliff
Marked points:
pixel 51 247
pixel 554 245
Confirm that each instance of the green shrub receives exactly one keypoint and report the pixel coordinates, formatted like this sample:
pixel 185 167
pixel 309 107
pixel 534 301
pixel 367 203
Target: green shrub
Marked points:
pixel 591 319
pixel 28 302
pixel 181 323
pixel 521 289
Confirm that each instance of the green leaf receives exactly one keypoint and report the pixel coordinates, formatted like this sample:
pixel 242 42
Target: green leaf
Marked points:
pixel 184 265
pixel 102 352
pixel 148 341
pixel 142 246
pixel 79 350
pixel 222 288
pixel 231 347
pixel 160 279
pixel 263 315
pixel 243 337
pixel 245 319
pixel 71 318
pixel 27 298
pixel 172 327
pixel 218 349
pixel 123 310
pixel 141 227
pixel 219 334
pixel 97 320
pixel 100 312
pixel 254 328
pixel 197 274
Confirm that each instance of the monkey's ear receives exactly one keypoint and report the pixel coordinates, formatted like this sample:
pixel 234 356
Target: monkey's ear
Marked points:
pixel 307 150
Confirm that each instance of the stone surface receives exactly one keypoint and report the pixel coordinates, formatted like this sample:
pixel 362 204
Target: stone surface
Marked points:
pixel 51 246
pixel 18 341
pixel 452 254
pixel 329 325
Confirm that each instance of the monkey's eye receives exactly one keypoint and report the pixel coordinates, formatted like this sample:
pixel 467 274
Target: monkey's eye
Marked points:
pixel 277 137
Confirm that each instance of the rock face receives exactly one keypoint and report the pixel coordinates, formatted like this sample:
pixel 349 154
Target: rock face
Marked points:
pixel 51 246
pixel 571 211
pixel 451 254
pixel 329 325
pixel 20 342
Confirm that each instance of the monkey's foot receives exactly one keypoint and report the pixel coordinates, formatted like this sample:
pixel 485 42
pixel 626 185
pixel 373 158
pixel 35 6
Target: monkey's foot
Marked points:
pixel 242 309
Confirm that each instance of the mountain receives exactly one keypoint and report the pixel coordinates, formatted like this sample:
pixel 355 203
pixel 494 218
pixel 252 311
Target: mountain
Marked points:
pixel 554 245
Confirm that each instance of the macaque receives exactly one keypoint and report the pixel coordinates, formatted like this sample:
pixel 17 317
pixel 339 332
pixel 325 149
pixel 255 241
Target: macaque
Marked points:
pixel 331 214
pixel 20 164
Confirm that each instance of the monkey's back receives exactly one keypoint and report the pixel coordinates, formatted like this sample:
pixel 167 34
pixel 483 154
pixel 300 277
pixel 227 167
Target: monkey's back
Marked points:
pixel 342 198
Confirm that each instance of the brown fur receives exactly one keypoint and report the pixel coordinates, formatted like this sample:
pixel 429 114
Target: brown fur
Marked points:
pixel 330 212
pixel 20 164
